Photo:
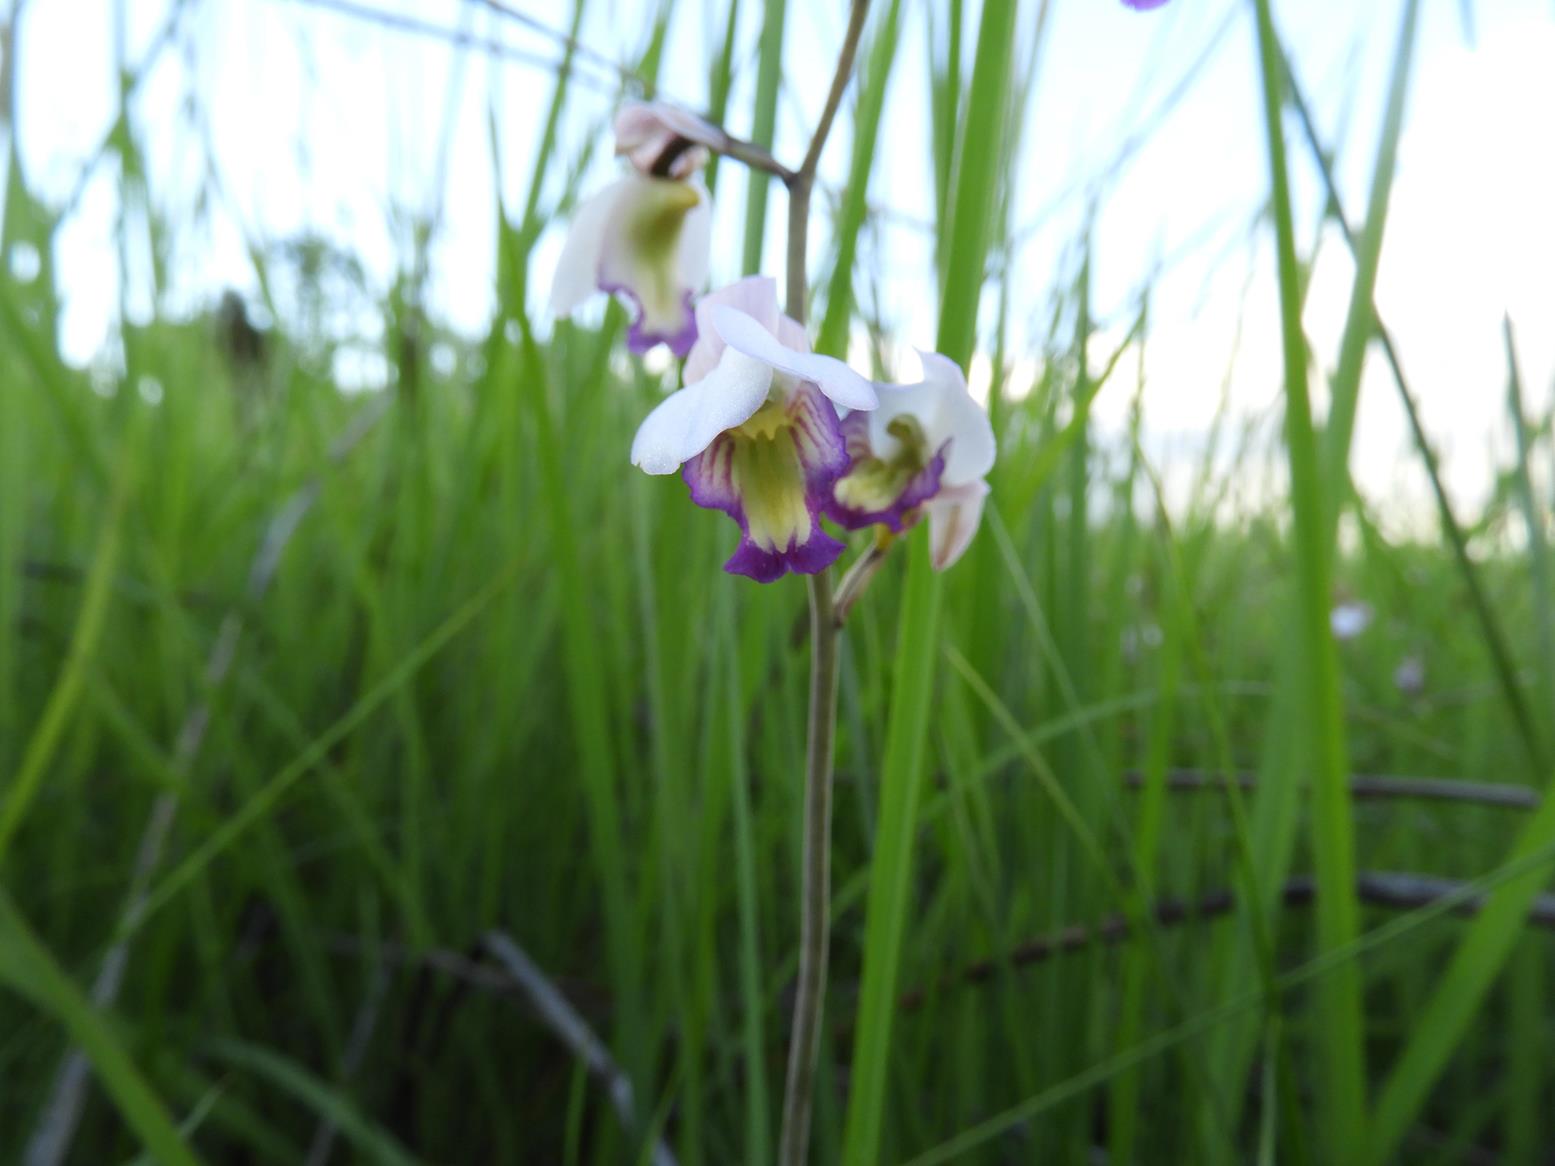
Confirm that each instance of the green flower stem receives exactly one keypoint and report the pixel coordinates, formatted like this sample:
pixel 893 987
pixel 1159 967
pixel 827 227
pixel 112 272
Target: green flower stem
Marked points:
pixel 815 897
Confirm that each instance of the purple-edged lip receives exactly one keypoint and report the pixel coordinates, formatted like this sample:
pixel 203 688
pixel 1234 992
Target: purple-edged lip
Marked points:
pixel 815 438
pixel 640 338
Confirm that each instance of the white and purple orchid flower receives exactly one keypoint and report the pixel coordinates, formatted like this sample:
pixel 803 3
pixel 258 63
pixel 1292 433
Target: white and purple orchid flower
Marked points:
pixel 925 450
pixel 754 431
pixel 645 237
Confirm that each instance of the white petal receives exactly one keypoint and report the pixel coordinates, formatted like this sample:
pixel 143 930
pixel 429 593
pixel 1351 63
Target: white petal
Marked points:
pixel 577 271
pixel 687 421
pixel 946 412
pixel 954 515
pixel 919 401
pixel 961 421
pixel 836 380
pixel 755 295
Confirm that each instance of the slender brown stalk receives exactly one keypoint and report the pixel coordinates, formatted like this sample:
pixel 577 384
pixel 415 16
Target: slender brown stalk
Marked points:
pixel 815 897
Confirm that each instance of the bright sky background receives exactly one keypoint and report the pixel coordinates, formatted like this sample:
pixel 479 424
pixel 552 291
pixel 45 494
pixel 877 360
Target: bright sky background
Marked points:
pixel 309 119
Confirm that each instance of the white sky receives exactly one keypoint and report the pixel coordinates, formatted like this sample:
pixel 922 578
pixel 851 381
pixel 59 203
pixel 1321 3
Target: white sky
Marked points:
pixel 313 120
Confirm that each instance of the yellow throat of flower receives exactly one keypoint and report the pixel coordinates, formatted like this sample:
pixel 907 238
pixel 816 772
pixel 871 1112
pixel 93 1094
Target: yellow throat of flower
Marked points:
pixel 875 483
pixel 770 480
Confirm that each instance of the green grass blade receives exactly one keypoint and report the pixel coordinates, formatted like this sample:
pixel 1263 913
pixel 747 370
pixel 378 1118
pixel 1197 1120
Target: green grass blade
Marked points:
pixel 720 78
pixel 769 77
pixel 270 794
pixel 917 656
pixel 833 336
pixel 901 775
pixel 976 185
pixel 1360 324
pixel 1530 866
pixel 1343 1078
pixel 24 784
pixel 373 1143
pixel 30 969
pixel 1480 955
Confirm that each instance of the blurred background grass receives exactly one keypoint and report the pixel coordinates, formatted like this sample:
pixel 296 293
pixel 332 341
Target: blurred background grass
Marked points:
pixel 305 691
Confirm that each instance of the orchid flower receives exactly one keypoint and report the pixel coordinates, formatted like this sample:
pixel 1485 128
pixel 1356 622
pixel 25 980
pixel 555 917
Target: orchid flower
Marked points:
pixel 645 236
pixel 755 430
pixel 925 450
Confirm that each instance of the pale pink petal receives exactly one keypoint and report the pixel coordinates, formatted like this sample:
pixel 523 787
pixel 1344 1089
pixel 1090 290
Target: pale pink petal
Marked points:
pixel 835 379
pixel 663 139
pixel 954 515
pixel 755 295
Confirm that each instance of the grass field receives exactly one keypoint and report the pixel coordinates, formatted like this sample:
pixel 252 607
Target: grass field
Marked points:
pixel 305 696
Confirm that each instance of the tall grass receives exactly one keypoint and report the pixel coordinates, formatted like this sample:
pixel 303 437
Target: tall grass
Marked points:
pixel 497 683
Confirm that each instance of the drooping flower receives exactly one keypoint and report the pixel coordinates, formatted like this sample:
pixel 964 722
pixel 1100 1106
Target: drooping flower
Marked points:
pixel 924 451
pixel 645 236
pixel 754 431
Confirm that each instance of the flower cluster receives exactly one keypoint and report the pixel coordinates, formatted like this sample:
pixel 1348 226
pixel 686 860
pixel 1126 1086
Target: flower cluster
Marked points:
pixel 765 430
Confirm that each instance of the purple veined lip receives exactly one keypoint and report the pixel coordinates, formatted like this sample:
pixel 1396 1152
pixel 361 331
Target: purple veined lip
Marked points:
pixel 922 486
pixel 1143 5
pixel 710 476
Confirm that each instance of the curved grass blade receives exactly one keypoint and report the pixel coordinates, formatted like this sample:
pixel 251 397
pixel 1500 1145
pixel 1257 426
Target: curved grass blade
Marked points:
pixel 374 1144
pixel 1343 1079
pixel 24 785
pixel 918 635
pixel 28 967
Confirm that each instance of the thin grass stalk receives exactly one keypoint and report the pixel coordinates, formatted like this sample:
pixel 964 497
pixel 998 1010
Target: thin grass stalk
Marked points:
pixel 1343 1080
pixel 1526 1070
pixel 720 79
pixel 815 892
pixel 1360 323
pixel 1275 806
pixel 833 335
pixel 758 1148
pixel 65 695
pixel 1540 570
pixel 1490 626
